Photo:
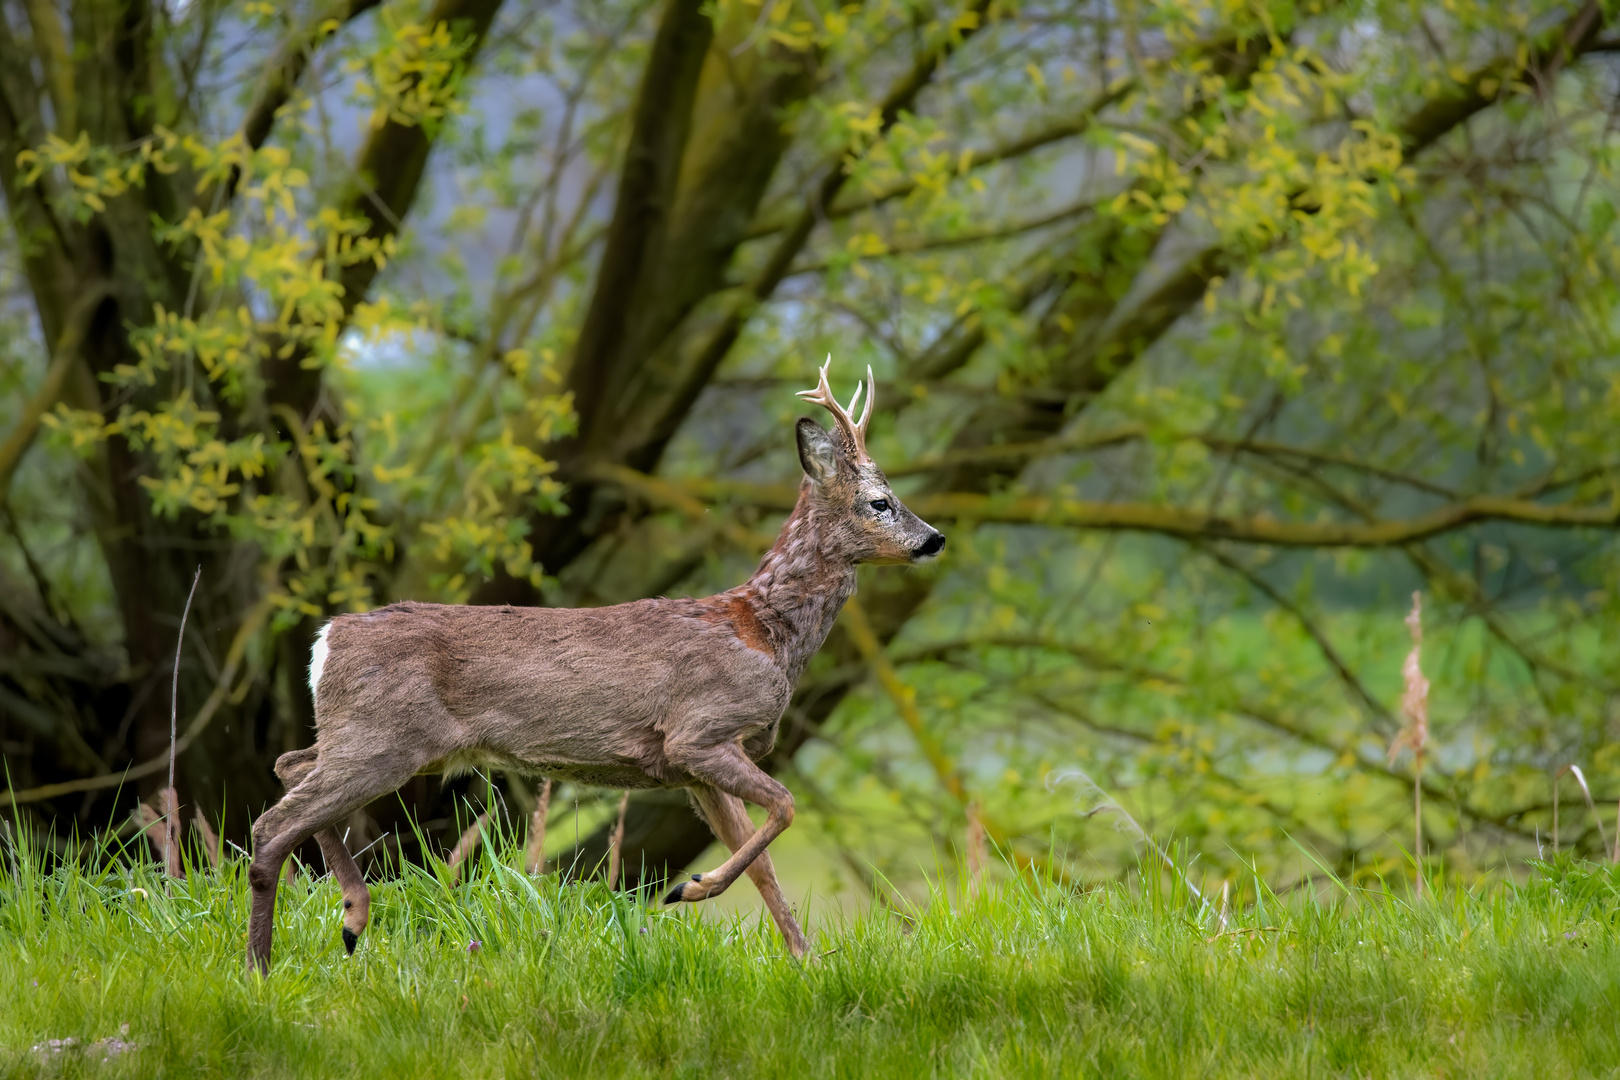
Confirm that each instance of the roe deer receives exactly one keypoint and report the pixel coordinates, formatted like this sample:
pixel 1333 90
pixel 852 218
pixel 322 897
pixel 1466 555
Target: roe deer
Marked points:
pixel 656 693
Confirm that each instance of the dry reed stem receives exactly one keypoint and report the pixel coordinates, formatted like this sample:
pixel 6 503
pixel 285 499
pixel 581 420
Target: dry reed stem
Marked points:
pixel 534 858
pixel 1415 736
pixel 467 845
pixel 150 818
pixel 975 850
pixel 615 852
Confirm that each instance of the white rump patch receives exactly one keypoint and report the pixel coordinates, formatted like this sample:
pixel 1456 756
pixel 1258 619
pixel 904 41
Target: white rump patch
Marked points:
pixel 317 661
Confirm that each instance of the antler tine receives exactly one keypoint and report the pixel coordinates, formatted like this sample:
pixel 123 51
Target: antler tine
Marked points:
pixel 822 395
pixel 871 401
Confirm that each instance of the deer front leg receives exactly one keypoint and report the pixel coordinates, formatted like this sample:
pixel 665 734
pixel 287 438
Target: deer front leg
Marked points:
pixel 327 793
pixel 356 897
pixel 729 820
pixel 293 768
pixel 728 769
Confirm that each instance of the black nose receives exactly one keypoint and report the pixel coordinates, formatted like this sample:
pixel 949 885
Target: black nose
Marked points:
pixel 931 546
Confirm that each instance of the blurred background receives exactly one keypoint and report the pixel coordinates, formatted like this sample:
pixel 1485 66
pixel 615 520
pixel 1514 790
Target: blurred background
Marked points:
pixel 1208 332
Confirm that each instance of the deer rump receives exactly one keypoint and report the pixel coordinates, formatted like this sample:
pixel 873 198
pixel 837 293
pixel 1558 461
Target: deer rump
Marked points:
pixel 593 695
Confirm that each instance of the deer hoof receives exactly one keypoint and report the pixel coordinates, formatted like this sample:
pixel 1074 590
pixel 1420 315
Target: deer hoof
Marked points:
pixel 679 892
pixel 350 939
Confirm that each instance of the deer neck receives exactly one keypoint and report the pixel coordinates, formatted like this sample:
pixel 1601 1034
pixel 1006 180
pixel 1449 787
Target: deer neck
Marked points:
pixel 800 586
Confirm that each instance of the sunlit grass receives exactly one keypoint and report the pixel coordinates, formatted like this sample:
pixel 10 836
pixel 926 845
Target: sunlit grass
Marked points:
pixel 1029 979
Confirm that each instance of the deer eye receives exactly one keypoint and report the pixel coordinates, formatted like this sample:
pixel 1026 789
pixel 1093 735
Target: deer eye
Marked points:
pixel 880 505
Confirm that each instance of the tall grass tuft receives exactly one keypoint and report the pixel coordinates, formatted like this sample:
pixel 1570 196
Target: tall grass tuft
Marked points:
pixel 572 979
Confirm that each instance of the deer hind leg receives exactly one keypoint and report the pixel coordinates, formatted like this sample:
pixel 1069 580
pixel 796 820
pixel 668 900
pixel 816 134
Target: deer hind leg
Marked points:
pixel 292 768
pixel 729 820
pixel 325 792
pixel 728 769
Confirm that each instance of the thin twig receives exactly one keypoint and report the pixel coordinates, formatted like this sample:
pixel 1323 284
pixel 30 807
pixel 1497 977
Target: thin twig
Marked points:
pixel 171 828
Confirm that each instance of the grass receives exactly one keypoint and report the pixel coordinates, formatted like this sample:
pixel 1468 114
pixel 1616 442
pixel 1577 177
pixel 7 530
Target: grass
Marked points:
pixel 1030 979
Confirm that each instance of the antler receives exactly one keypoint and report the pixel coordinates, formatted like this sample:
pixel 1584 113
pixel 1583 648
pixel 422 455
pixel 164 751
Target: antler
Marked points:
pixel 854 431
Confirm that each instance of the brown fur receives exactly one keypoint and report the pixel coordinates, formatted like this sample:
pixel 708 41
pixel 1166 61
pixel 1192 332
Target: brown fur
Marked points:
pixel 738 614
pixel 655 693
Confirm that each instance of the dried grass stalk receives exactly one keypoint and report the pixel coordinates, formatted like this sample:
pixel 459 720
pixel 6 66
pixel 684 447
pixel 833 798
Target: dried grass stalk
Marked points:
pixel 157 822
pixel 1580 778
pixel 150 818
pixel 1415 736
pixel 210 840
pixel 467 845
pixel 616 852
pixel 534 858
pixel 975 849
pixel 170 802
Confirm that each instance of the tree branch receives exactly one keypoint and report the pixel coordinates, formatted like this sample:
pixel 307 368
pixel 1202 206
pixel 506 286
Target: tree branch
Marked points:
pixel 54 57
pixel 199 723
pixel 1351 681
pixel 387 175
pixel 1255 712
pixel 1067 128
pixel 900 98
pixel 287 66
pixel 50 388
pixel 1457 102
pixel 1176 521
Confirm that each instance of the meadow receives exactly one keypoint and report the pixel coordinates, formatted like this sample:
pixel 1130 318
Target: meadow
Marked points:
pixel 506 975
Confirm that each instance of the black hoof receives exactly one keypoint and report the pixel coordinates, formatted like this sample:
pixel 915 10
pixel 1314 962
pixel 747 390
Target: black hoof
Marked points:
pixel 350 939
pixel 674 895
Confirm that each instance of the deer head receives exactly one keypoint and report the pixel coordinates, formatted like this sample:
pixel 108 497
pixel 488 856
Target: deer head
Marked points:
pixel 872 525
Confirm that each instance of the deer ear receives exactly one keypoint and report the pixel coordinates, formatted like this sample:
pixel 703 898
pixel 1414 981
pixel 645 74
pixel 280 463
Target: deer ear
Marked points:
pixel 817 453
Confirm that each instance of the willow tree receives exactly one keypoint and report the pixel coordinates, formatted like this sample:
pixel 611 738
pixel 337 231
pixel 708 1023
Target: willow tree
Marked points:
pixel 352 303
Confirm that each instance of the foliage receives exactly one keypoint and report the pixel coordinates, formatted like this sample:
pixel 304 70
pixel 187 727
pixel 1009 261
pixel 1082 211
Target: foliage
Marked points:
pixel 1159 295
